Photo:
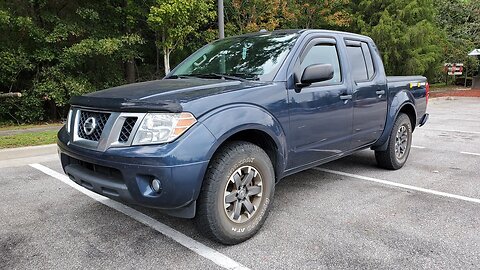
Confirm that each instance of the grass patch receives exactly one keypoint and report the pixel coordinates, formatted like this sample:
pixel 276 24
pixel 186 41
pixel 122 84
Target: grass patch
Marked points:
pixel 12 126
pixel 28 139
pixel 438 85
pixel 442 87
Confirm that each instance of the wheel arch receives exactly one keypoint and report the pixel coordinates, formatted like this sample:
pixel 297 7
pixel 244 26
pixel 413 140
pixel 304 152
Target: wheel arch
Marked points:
pixel 251 124
pixel 263 140
pixel 410 111
pixel 403 102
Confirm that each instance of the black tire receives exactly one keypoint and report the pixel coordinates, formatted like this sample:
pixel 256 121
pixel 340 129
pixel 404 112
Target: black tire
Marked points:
pixel 392 158
pixel 212 217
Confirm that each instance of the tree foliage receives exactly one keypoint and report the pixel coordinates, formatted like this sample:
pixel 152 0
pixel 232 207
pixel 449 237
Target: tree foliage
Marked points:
pixel 460 20
pixel 51 50
pixel 404 31
pixel 246 16
pixel 332 14
pixel 175 20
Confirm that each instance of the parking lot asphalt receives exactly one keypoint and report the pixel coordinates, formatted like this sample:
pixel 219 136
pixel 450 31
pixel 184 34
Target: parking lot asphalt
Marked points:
pixel 320 220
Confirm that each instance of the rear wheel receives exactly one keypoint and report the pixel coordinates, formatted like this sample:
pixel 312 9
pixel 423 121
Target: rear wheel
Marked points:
pixel 398 149
pixel 236 194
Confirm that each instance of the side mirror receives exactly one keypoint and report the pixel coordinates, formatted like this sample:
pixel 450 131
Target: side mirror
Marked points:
pixel 316 73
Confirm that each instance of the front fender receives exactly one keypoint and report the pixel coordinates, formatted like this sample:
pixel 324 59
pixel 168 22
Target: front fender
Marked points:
pixel 401 99
pixel 226 121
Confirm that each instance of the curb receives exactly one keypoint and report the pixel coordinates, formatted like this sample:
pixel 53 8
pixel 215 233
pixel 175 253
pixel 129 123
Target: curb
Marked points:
pixel 28 148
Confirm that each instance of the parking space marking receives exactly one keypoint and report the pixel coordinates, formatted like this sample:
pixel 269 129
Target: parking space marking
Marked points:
pixel 470 153
pixel 453 130
pixel 465 153
pixel 440 117
pixel 385 182
pixel 193 245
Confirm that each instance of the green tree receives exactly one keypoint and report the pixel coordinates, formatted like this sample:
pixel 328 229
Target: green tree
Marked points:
pixel 250 16
pixel 404 31
pixel 175 20
pixel 460 20
pixel 51 50
pixel 333 14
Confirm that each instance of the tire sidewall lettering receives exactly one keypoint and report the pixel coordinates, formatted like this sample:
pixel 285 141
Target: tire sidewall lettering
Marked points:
pixel 244 161
pixel 251 225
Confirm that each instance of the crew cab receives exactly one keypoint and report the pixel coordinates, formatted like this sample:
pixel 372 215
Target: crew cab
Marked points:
pixel 211 139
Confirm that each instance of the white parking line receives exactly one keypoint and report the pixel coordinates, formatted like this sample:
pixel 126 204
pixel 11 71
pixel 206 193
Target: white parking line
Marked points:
pixel 453 130
pixel 466 153
pixel 441 118
pixel 470 153
pixel 430 191
pixel 195 246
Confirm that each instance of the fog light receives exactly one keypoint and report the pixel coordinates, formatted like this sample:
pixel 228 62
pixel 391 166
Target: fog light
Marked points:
pixel 156 185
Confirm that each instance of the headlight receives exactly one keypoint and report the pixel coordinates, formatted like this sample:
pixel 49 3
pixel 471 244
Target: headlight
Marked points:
pixel 69 120
pixel 163 127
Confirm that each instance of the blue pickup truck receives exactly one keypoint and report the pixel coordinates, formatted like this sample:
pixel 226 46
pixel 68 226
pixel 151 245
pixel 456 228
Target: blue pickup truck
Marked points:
pixel 211 139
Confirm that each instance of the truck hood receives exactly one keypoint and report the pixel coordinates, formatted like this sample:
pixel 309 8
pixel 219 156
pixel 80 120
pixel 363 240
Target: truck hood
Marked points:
pixel 160 95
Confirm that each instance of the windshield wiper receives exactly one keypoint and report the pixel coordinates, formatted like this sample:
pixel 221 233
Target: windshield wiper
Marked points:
pixel 181 76
pixel 219 76
pixel 226 76
pixel 244 75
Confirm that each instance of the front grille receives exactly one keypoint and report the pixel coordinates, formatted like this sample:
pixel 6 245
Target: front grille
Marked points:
pixel 100 120
pixel 127 129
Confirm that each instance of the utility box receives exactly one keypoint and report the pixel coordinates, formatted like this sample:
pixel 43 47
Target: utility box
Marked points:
pixel 476 83
pixel 476 79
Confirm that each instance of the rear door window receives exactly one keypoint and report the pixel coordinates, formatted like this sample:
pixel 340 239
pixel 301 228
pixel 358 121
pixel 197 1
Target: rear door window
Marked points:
pixel 361 61
pixel 357 61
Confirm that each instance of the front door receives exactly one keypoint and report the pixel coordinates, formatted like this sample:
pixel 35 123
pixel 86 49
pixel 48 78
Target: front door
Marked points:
pixel 320 114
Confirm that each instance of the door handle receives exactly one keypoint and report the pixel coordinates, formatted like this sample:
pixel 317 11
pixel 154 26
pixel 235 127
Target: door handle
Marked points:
pixel 345 97
pixel 380 93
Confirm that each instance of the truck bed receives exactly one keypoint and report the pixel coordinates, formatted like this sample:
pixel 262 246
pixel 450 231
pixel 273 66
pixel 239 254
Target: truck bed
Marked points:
pixel 394 79
pixel 416 86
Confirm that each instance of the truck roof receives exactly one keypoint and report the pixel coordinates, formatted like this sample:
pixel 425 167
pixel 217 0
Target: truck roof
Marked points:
pixel 304 31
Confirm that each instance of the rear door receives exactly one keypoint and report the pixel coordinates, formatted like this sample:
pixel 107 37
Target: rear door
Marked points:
pixel 369 93
pixel 320 119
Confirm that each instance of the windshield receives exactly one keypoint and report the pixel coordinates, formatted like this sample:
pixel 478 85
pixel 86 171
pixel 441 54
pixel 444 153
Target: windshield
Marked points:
pixel 248 57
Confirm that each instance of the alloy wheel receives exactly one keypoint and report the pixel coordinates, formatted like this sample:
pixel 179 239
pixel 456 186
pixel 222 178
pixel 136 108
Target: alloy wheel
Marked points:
pixel 401 142
pixel 243 194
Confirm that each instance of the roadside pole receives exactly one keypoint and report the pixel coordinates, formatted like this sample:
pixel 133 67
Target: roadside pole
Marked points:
pixel 221 32
pixel 221 24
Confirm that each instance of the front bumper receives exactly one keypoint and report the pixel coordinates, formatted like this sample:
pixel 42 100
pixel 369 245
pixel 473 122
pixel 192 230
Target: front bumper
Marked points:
pixel 125 174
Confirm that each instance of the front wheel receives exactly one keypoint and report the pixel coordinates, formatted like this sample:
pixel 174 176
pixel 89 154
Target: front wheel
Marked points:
pixel 236 194
pixel 398 149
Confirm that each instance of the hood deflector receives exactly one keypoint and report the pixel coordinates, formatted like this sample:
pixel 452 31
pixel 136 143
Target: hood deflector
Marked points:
pixel 124 105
